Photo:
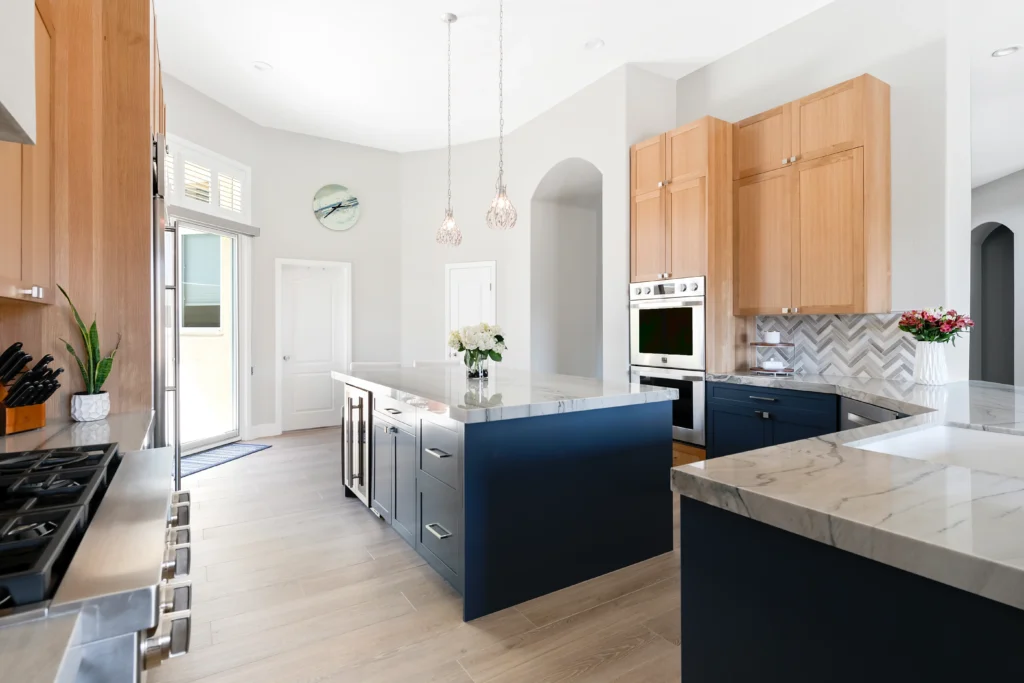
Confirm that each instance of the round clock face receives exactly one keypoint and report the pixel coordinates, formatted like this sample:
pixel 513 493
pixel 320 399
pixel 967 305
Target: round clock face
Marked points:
pixel 335 207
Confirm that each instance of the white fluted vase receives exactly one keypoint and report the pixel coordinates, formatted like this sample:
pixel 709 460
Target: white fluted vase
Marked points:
pixel 930 363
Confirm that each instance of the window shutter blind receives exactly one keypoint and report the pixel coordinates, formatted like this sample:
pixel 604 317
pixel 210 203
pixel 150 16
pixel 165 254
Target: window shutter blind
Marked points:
pixel 230 192
pixel 197 182
pixel 169 172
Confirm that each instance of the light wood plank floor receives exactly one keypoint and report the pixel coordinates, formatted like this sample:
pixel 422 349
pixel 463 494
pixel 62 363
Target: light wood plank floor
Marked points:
pixel 294 583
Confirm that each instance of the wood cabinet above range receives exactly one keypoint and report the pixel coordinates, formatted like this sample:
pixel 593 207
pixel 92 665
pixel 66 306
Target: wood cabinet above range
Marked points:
pixel 813 204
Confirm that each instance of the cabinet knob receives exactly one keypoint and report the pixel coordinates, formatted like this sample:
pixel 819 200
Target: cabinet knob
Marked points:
pixel 661 183
pixel 785 310
pixel 796 310
pixel 792 159
pixel 785 161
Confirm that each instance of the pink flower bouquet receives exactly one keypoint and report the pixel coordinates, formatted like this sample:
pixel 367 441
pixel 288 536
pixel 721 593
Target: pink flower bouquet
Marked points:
pixel 935 325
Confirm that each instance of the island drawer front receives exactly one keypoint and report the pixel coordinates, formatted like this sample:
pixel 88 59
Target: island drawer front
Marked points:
pixel 440 530
pixel 396 410
pixel 439 452
pixel 772 398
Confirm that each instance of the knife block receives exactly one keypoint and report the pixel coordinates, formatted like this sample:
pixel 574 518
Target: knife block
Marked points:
pixel 15 420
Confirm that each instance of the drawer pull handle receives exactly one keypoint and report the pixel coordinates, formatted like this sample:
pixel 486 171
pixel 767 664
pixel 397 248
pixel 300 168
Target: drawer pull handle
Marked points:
pixel 763 414
pixel 762 398
pixel 433 528
pixel 393 411
pixel 438 453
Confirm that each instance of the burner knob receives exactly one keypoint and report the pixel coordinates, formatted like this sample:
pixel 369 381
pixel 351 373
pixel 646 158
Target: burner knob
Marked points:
pixel 170 640
pixel 175 597
pixel 177 561
pixel 178 535
pixel 181 497
pixel 694 287
pixel 637 290
pixel 179 514
pixel 647 290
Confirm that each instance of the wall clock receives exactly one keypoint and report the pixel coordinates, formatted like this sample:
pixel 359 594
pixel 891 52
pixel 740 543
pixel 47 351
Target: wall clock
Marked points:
pixel 335 207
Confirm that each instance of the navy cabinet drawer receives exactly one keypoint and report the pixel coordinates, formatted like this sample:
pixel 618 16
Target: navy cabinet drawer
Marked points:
pixel 735 429
pixel 772 398
pixel 439 453
pixel 440 532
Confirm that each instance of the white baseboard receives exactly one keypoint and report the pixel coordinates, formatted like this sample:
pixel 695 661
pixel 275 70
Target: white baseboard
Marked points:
pixel 262 431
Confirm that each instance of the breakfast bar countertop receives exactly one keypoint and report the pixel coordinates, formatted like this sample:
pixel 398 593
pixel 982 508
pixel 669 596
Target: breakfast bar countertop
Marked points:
pixel 953 515
pixel 508 394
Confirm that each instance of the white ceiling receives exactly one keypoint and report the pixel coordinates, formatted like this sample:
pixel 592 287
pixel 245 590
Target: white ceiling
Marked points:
pixel 997 91
pixel 373 71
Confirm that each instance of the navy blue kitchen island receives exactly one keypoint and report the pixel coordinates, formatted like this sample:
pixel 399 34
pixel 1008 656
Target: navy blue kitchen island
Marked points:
pixel 516 487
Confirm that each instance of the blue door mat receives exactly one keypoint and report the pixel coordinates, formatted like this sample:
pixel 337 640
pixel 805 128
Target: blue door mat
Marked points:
pixel 204 460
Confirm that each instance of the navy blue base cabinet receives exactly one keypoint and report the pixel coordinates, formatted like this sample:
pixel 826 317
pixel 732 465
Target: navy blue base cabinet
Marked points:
pixel 744 418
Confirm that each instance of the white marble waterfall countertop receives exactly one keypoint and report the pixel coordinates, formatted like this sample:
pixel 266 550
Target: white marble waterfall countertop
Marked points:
pixel 508 394
pixel 954 517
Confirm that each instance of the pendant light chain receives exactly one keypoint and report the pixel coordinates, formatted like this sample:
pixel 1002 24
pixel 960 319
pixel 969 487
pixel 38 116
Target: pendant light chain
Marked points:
pixel 449 117
pixel 502 214
pixel 501 91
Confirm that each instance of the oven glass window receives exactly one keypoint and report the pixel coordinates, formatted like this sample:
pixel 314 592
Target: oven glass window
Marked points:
pixel 666 331
pixel 682 408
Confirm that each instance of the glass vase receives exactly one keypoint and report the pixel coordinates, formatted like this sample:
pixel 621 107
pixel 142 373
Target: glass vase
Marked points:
pixel 476 365
pixel 930 363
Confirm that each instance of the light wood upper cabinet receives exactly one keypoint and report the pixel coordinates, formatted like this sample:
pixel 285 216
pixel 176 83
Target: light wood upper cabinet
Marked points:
pixel 686 213
pixel 26 191
pixel 766 230
pixel 831 229
pixel 763 143
pixel 686 152
pixel 832 236
pixel 829 121
pixel 647 166
pixel 649 241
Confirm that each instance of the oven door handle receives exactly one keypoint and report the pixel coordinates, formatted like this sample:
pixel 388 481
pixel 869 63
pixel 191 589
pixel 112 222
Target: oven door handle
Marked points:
pixel 677 303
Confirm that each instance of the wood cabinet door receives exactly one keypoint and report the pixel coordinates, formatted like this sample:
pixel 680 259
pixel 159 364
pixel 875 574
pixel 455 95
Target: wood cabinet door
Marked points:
pixel 648 237
pixel 686 213
pixel 765 210
pixel 647 166
pixel 686 152
pixel 11 189
pixel 763 142
pixel 829 121
pixel 830 261
pixel 37 247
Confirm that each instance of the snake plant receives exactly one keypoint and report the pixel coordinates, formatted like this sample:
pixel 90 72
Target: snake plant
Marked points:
pixel 96 368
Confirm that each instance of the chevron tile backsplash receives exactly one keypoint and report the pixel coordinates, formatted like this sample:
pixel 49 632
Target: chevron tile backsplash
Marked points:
pixel 847 345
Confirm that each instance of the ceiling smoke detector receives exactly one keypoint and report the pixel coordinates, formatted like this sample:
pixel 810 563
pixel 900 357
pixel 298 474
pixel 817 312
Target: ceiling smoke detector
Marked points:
pixel 1006 51
pixel 262 66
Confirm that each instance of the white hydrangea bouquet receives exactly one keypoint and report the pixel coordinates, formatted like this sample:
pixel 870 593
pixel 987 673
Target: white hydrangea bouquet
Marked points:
pixel 478 343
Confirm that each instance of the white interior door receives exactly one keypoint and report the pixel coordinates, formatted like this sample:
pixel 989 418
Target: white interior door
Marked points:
pixel 313 342
pixel 470 297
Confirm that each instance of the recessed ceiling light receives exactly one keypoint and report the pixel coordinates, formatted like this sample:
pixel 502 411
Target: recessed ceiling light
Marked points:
pixel 594 44
pixel 263 66
pixel 1006 51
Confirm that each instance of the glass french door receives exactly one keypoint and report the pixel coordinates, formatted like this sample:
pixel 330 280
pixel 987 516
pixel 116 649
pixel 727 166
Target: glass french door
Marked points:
pixel 206 337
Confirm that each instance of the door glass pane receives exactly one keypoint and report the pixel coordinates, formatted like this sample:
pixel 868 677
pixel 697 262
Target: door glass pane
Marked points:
pixel 170 277
pixel 169 295
pixel 667 331
pixel 208 338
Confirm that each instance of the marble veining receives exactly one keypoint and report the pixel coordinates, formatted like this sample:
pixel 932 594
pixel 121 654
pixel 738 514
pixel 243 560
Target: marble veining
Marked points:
pixel 961 524
pixel 507 395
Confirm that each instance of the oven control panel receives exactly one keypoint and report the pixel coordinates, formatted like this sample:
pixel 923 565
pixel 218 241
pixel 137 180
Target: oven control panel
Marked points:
pixel 689 286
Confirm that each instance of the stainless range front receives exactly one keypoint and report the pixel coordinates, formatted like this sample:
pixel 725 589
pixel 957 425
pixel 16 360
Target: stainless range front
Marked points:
pixel 666 324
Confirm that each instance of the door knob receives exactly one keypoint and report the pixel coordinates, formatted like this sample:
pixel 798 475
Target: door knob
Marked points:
pixel 287 357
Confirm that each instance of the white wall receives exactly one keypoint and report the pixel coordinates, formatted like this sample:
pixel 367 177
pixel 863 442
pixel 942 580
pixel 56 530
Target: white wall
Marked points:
pixel 287 169
pixel 903 44
pixel 1002 201
pixel 565 313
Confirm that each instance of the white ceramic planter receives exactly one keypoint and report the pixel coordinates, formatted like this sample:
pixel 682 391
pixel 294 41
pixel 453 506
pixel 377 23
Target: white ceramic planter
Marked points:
pixel 930 363
pixel 90 407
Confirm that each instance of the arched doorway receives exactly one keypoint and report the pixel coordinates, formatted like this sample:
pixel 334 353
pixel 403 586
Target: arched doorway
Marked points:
pixel 992 303
pixel 565 271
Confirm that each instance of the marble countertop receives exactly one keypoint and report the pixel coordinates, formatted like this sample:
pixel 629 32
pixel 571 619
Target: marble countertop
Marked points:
pixel 129 430
pixel 507 395
pixel 954 518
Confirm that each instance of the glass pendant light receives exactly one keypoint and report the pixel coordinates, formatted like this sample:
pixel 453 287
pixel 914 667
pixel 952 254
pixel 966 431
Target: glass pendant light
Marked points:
pixel 449 234
pixel 502 215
